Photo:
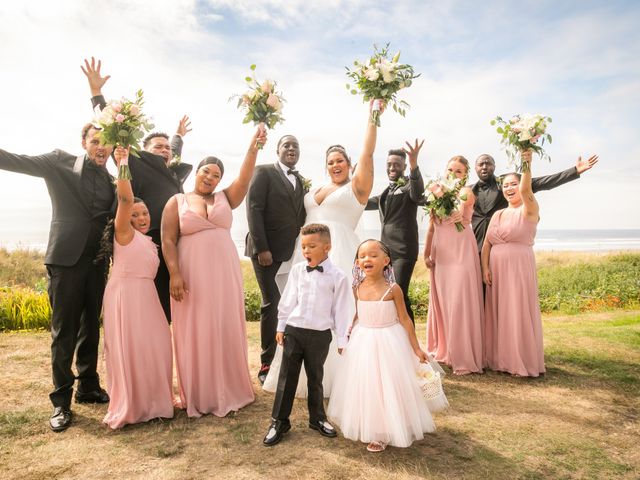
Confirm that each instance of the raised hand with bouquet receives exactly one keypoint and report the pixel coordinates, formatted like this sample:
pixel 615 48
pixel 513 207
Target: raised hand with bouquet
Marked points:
pixel 261 103
pixel 380 78
pixel 522 133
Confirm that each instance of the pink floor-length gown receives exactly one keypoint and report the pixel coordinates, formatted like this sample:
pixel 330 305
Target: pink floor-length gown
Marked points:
pixel 137 339
pixel 456 314
pixel 209 332
pixel 512 309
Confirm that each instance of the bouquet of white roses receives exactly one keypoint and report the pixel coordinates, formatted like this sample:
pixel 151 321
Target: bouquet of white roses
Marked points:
pixel 261 103
pixel 380 78
pixel 443 197
pixel 521 133
pixel 123 124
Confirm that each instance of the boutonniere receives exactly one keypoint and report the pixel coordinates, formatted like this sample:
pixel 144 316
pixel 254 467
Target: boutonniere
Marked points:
pixel 306 184
pixel 401 182
pixel 175 161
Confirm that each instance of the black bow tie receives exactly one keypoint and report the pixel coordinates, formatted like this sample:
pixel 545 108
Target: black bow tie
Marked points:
pixel 393 185
pixel 317 267
pixel 291 171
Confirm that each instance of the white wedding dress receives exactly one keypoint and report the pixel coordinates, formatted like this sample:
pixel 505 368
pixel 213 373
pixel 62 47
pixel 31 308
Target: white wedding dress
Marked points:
pixel 341 212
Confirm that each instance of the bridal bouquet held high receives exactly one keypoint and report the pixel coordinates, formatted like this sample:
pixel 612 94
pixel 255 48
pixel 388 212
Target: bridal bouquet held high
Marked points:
pixel 261 103
pixel 122 124
pixel 379 79
pixel 443 197
pixel 521 133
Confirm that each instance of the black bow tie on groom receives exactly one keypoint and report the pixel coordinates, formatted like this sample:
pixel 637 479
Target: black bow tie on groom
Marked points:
pixel 317 267
pixel 291 171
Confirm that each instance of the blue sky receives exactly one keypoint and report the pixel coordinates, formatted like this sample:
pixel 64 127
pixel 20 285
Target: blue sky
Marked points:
pixel 576 61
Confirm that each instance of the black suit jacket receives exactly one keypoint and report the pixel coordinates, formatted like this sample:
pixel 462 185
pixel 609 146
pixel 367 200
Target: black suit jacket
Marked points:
pixel 152 181
pixel 489 198
pixel 71 217
pixel 275 213
pixel 398 209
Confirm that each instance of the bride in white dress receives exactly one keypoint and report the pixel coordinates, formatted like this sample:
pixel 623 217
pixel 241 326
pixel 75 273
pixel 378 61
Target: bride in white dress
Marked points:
pixel 339 205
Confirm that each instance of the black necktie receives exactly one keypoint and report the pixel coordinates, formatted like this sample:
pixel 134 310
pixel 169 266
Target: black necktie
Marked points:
pixel 317 267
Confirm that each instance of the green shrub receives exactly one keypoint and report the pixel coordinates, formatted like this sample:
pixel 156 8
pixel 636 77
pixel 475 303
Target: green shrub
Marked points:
pixel 24 309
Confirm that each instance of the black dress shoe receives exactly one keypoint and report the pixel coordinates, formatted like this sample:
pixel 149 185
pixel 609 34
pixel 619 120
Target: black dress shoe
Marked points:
pixel 276 430
pixel 324 428
pixel 262 374
pixel 61 419
pixel 96 396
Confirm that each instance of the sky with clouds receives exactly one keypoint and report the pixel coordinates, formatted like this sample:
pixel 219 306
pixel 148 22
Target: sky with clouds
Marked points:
pixel 574 61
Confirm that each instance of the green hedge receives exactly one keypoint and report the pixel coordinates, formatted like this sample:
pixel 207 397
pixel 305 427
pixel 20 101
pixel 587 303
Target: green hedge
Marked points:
pixel 611 281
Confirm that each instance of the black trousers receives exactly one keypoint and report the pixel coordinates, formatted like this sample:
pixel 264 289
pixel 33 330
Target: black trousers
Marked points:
pixel 312 347
pixel 266 277
pixel 162 277
pixel 75 294
pixel 403 270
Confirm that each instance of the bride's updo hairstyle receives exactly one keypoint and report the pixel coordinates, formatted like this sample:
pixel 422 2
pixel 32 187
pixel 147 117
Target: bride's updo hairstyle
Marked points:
pixel 341 150
pixel 212 161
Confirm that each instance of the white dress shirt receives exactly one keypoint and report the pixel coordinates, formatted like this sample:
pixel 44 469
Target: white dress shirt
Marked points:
pixel 290 176
pixel 317 300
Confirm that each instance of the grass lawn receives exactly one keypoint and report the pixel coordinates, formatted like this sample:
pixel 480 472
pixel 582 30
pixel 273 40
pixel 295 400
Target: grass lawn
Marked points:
pixel 579 421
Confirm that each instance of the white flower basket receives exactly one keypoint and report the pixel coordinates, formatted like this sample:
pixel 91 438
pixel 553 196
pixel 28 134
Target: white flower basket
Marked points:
pixel 430 381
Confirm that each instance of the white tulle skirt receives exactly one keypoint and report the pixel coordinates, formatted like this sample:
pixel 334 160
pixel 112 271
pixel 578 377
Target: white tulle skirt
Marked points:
pixel 376 396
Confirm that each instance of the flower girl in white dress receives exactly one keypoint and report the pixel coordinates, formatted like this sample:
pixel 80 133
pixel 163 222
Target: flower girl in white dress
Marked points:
pixel 376 397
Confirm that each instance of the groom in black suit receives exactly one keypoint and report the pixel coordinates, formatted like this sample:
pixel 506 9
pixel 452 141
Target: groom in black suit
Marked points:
pixel 81 192
pixel 398 207
pixel 275 214
pixel 489 197
pixel 155 178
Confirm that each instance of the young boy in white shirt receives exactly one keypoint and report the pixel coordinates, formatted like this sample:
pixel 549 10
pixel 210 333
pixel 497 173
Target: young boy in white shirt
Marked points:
pixel 314 302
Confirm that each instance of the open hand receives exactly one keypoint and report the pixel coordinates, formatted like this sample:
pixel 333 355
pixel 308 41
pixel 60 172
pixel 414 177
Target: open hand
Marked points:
pixel 184 126
pixel 92 72
pixel 584 165
pixel 413 152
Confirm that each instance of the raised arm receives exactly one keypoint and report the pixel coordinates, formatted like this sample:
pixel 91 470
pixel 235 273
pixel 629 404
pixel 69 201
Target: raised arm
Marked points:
pixel 362 180
pixel 170 233
pixel 36 166
pixel 238 189
pixel 416 183
pixel 123 230
pixel 530 205
pixel 96 81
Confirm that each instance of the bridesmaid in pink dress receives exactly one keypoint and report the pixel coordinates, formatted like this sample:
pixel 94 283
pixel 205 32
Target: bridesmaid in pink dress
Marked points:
pixel 207 304
pixel 455 319
pixel 512 308
pixel 137 340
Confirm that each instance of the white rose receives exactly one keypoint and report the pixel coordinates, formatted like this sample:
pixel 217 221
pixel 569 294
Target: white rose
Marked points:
pixel 372 74
pixel 388 71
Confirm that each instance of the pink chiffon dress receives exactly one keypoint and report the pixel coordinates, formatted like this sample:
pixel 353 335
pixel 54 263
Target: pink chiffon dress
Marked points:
pixel 137 339
pixel 376 395
pixel 455 320
pixel 209 332
pixel 512 309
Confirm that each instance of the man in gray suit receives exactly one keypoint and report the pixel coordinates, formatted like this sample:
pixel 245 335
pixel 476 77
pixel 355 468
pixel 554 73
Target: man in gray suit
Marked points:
pixel 82 195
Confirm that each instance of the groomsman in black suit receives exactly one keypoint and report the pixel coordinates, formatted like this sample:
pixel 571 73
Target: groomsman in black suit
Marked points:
pixel 489 197
pixel 82 194
pixel 275 214
pixel 398 207
pixel 155 178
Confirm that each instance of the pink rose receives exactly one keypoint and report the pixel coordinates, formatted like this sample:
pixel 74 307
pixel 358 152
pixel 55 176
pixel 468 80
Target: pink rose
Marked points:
pixel 534 139
pixel 116 107
pixel 267 86
pixel 119 118
pixel 273 101
pixel 436 189
pixel 134 110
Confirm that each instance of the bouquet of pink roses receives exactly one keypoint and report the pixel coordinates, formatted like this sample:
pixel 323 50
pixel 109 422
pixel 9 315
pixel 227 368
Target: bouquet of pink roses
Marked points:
pixel 443 197
pixel 122 123
pixel 521 133
pixel 379 78
pixel 261 103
